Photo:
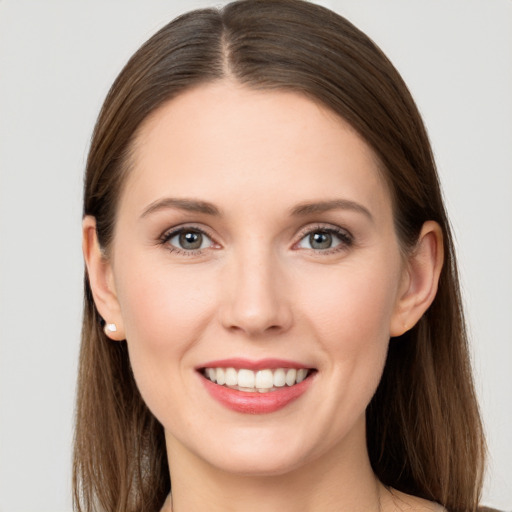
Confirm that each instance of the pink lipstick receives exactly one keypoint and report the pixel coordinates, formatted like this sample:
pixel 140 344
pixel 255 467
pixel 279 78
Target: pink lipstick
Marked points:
pixel 255 387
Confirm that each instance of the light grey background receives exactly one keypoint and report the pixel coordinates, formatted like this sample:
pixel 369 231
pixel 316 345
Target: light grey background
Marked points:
pixel 57 61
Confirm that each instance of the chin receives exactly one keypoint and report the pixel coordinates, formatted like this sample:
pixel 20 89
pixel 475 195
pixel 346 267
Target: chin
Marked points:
pixel 259 454
pixel 258 465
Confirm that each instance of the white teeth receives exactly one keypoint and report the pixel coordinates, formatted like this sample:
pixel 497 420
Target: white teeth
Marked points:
pixel 261 381
pixel 246 378
pixel 279 378
pixel 264 379
pixel 301 375
pixel 221 376
pixel 211 374
pixel 291 376
pixel 231 377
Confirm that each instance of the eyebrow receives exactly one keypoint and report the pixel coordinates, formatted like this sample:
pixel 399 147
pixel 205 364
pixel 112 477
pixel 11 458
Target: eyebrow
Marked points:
pixel 189 205
pixel 197 206
pixel 333 204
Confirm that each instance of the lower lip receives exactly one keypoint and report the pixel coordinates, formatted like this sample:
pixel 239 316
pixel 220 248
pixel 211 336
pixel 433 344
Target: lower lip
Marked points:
pixel 256 403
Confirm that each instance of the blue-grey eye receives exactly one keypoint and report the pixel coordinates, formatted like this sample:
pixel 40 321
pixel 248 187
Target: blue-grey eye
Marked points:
pixel 190 240
pixel 322 239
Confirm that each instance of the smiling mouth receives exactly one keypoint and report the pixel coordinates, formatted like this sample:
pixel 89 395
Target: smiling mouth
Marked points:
pixel 260 381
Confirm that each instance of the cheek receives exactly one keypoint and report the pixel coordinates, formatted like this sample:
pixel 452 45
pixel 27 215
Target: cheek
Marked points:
pixel 355 308
pixel 164 312
pixel 351 319
pixel 162 306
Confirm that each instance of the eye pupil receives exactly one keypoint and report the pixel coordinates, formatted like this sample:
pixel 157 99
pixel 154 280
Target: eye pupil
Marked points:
pixel 191 240
pixel 320 240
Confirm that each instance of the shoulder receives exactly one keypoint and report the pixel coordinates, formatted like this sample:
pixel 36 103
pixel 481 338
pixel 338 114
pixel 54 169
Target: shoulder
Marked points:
pixel 397 500
pixel 408 503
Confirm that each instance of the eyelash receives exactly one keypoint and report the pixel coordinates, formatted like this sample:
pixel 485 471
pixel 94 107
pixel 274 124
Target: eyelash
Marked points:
pixel 345 238
pixel 169 235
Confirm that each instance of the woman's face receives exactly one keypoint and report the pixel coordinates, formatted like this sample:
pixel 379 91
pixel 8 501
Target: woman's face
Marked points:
pixel 255 244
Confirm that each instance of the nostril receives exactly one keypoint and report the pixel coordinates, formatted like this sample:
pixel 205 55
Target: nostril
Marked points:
pixel 255 329
pixel 254 304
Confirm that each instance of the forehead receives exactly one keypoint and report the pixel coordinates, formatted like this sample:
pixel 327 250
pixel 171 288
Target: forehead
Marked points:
pixel 224 141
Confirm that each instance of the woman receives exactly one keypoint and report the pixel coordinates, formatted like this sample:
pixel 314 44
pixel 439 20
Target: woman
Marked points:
pixel 272 315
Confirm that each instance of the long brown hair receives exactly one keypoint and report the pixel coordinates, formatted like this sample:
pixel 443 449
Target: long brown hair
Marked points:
pixel 424 433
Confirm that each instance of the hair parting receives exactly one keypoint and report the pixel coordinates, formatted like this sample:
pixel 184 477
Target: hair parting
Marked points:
pixel 424 433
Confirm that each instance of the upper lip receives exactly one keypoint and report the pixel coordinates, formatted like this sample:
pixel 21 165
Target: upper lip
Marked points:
pixel 248 364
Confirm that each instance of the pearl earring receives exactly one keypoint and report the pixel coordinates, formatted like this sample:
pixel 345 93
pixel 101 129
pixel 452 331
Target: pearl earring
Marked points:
pixel 110 328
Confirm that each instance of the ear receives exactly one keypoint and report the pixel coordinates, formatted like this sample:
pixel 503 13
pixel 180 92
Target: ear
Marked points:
pixel 101 280
pixel 421 277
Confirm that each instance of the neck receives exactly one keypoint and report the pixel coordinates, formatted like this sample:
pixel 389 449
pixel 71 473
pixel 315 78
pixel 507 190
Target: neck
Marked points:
pixel 341 480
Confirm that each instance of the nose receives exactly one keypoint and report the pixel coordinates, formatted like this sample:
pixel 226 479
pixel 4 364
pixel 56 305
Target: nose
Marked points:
pixel 256 300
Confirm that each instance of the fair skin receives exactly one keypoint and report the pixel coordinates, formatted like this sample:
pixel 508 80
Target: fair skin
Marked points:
pixel 257 226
